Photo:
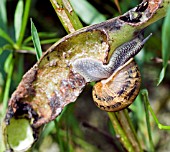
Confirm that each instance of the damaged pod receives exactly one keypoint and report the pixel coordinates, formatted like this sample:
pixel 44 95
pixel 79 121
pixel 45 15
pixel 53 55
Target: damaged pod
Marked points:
pixel 51 84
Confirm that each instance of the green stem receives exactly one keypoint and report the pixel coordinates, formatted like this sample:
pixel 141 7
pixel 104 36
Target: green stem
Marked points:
pixel 132 129
pixel 7 85
pixel 129 130
pixel 66 14
pixel 24 22
pixel 60 142
pixel 146 101
pixel 119 131
pixel 160 126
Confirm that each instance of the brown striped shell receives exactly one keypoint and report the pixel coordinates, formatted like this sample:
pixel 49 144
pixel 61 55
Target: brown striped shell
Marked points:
pixel 119 90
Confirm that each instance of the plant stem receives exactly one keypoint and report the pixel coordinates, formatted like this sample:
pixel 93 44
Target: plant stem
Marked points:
pixel 129 129
pixel 7 85
pixel 132 129
pixel 66 14
pixel 119 131
pixel 145 97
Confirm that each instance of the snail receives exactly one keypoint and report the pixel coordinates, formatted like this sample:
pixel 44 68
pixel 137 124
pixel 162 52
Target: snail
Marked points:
pixel 119 80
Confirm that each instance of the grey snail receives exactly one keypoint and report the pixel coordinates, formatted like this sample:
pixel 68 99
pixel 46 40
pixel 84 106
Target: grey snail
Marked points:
pixel 119 80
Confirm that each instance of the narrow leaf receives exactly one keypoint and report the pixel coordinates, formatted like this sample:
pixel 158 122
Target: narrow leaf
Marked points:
pixel 8 62
pixel 165 45
pixel 41 36
pixel 3 16
pixel 36 40
pixel 1 50
pixel 117 5
pixel 162 75
pixel 18 18
pixel 24 22
pixel 5 36
pixel 8 68
pixel 166 39
pixel 6 47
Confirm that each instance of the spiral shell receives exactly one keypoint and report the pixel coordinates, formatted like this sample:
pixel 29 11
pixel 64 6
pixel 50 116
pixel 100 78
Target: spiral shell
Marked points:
pixel 119 90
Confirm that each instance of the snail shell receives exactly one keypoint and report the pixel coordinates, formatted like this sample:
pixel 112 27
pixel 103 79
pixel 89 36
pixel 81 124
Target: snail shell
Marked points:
pixel 119 90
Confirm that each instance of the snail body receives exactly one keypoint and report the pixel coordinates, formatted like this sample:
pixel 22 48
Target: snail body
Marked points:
pixel 121 77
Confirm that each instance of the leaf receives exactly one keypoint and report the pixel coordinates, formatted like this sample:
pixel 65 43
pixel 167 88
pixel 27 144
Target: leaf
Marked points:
pixel 36 40
pixel 165 45
pixel 117 5
pixel 24 22
pixel 1 50
pixel 18 18
pixel 87 12
pixel 5 36
pixel 8 61
pixel 162 75
pixel 166 39
pixel 41 35
pixel 27 49
pixel 1 81
pixel 5 47
pixel 3 16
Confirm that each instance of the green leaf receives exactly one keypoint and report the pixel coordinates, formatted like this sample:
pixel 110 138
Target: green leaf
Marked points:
pixel 24 22
pixel 36 40
pixel 28 49
pixel 5 36
pixel 87 12
pixel 18 18
pixel 48 41
pixel 166 39
pixel 1 50
pixel 165 45
pixel 8 62
pixel 42 35
pixel 162 75
pixel 3 16
pixel 8 68
pixel 1 80
pixel 5 47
